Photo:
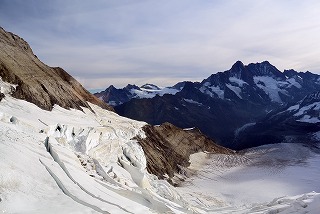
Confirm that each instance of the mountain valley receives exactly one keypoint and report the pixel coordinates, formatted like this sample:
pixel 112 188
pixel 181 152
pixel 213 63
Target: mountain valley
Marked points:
pixel 63 150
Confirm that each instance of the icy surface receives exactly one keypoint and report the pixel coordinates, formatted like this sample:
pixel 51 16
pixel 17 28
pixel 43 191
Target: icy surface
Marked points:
pixel 294 83
pixel 282 178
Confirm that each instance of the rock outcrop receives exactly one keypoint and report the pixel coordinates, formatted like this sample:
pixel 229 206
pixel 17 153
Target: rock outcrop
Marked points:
pixel 36 82
pixel 168 148
pixel 1 96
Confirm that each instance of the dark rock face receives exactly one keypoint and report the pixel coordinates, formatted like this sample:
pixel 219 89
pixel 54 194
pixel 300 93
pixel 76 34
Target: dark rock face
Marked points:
pixel 299 123
pixel 310 99
pixel 36 82
pixel 168 148
pixel 150 86
pixel 114 96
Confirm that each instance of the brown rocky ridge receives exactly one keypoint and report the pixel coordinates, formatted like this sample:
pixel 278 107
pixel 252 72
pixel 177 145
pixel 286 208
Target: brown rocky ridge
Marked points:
pixel 36 82
pixel 168 148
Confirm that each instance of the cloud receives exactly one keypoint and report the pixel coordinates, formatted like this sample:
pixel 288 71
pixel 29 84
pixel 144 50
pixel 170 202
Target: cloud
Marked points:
pixel 163 42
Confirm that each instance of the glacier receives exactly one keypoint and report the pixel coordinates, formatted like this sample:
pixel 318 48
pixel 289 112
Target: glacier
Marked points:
pixel 73 161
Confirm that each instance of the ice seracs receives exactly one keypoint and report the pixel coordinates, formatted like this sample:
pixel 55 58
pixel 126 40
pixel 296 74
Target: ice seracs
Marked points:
pixel 79 159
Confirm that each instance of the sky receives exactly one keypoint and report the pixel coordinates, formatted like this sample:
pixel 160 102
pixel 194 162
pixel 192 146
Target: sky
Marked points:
pixel 116 42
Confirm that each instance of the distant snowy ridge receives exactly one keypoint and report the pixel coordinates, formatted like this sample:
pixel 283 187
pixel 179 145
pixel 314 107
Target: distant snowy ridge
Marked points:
pixel 272 85
pixel 254 82
pixel 152 92
pixel 114 96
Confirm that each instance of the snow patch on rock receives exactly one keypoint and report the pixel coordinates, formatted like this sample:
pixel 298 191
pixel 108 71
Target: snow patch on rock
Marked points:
pixel 239 82
pixel 192 102
pixel 314 106
pixel 235 89
pixel 208 89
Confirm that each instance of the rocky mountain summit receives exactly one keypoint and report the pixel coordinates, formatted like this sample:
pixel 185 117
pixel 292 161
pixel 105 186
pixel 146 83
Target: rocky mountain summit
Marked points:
pixel 36 82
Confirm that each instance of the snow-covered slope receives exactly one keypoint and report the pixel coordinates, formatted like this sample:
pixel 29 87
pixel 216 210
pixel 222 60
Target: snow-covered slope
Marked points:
pixel 72 161
pixel 69 161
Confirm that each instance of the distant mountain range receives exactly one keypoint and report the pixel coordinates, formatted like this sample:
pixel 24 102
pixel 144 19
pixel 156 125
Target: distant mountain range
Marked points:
pixel 114 96
pixel 219 105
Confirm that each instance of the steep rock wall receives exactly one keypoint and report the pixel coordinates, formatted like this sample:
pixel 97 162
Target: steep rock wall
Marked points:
pixel 36 82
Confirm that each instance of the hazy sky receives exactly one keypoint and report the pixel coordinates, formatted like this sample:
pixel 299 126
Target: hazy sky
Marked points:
pixel 103 42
